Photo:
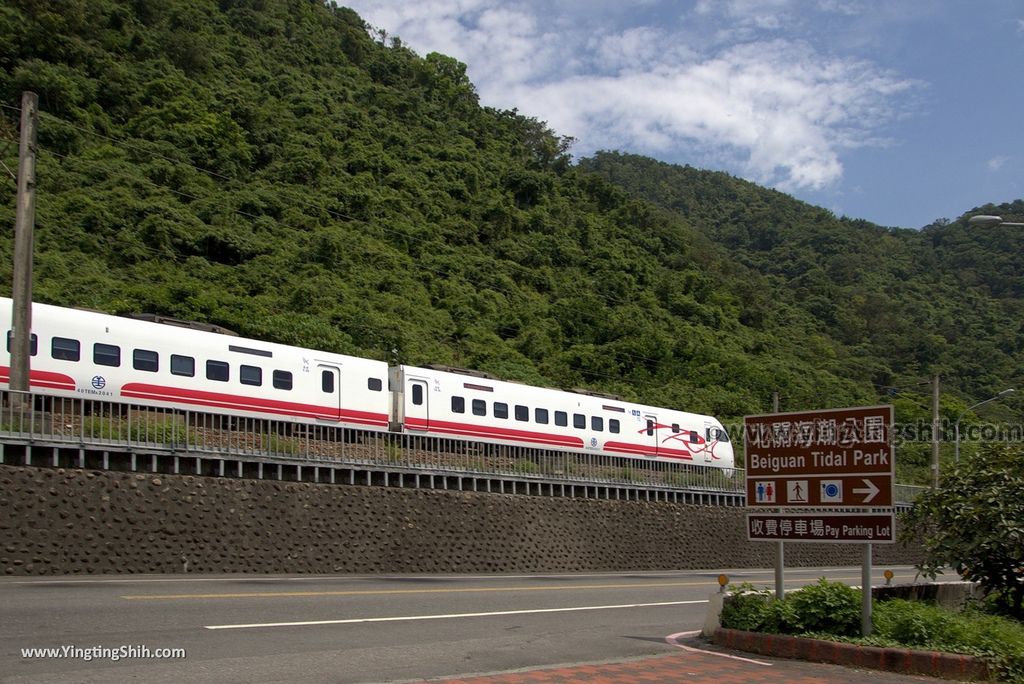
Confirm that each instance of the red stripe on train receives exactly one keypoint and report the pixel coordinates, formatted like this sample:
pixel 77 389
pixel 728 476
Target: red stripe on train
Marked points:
pixel 468 429
pixel 45 379
pixel 643 450
pixel 178 395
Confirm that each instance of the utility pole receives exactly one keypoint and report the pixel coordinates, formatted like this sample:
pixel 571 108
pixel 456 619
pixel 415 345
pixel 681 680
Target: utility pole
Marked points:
pixel 24 226
pixel 780 547
pixel 935 431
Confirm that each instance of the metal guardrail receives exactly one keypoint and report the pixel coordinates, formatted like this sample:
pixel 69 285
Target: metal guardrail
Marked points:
pixel 98 424
pixel 904 494
pixel 130 427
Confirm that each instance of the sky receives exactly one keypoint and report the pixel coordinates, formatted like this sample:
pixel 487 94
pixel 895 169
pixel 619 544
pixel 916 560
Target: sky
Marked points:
pixel 900 112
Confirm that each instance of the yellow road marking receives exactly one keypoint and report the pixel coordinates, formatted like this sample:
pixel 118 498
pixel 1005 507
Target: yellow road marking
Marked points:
pixel 392 592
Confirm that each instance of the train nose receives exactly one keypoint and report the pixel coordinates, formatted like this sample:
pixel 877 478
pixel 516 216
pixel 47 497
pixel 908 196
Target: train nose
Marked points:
pixel 727 460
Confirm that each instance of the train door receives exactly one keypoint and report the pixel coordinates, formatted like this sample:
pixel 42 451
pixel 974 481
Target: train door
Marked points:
pixel 710 436
pixel 417 404
pixel 330 385
pixel 649 434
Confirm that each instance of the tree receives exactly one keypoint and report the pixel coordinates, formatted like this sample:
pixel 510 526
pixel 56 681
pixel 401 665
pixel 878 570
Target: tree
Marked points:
pixel 974 523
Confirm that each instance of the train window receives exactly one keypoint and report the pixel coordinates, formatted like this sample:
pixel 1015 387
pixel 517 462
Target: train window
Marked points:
pixel 65 349
pixel 650 427
pixel 458 405
pixel 282 380
pixel 579 421
pixel 694 439
pixel 183 365
pixel 327 381
pixel 596 424
pixel 561 418
pixel 613 426
pixel 374 384
pixel 250 375
pixel 33 343
pixel 716 434
pixel 218 370
pixel 417 395
pixel 479 407
pixel 522 413
pixel 145 360
pixel 106 354
pixel 675 428
pixel 500 410
pixel 540 416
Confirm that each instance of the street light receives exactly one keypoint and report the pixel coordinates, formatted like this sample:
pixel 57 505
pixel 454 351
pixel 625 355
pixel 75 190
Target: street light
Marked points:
pixel 960 417
pixel 984 221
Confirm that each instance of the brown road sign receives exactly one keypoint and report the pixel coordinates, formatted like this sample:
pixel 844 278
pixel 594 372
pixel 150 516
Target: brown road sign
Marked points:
pixel 821 461
pixel 830 458
pixel 822 527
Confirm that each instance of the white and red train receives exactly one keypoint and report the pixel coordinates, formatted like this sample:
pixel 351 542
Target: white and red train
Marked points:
pixel 88 355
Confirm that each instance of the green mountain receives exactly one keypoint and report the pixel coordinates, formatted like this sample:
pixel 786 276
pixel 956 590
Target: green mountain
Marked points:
pixel 272 167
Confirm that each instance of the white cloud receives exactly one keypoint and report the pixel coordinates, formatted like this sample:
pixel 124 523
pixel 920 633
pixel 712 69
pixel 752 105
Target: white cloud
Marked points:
pixel 997 163
pixel 847 8
pixel 763 14
pixel 770 107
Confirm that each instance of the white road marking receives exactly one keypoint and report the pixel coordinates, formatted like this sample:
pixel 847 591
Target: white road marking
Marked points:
pixel 672 640
pixel 409 618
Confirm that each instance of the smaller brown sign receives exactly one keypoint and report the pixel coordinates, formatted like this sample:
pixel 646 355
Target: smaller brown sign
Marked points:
pixel 822 527
pixel 828 491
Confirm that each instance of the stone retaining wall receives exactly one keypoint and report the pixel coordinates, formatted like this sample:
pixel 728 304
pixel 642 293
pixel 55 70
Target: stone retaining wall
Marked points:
pixel 64 521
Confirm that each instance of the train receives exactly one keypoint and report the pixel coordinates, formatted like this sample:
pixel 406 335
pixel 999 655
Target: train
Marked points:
pixel 160 362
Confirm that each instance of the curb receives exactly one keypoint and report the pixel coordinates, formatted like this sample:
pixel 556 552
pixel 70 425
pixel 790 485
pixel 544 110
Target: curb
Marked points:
pixel 902 660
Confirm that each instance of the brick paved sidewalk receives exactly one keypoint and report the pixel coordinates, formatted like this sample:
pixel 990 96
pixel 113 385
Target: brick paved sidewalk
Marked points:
pixel 704 664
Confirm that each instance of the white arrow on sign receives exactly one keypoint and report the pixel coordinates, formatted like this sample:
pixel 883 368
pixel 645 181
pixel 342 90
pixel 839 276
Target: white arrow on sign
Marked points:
pixel 871 490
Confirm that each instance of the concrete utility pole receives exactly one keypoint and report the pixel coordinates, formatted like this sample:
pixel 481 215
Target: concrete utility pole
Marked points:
pixel 24 225
pixel 780 548
pixel 935 431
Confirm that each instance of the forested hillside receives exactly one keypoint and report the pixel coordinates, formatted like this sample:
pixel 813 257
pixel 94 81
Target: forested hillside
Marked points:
pixel 274 167
pixel 894 304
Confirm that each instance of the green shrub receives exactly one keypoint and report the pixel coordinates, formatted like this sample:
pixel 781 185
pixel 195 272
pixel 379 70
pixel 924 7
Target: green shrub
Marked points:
pixel 832 610
pixel 141 430
pixel 158 431
pixel 756 611
pixel 747 609
pixel 916 624
pixel 278 444
pixel 830 607
pixel 825 607
pixel 525 466
pixel 99 427
pixel 998 640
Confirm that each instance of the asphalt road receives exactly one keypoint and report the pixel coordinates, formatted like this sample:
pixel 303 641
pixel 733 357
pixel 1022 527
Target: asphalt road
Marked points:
pixel 351 628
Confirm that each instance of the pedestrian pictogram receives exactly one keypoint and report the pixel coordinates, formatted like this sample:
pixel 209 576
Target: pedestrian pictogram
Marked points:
pixel 796 491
